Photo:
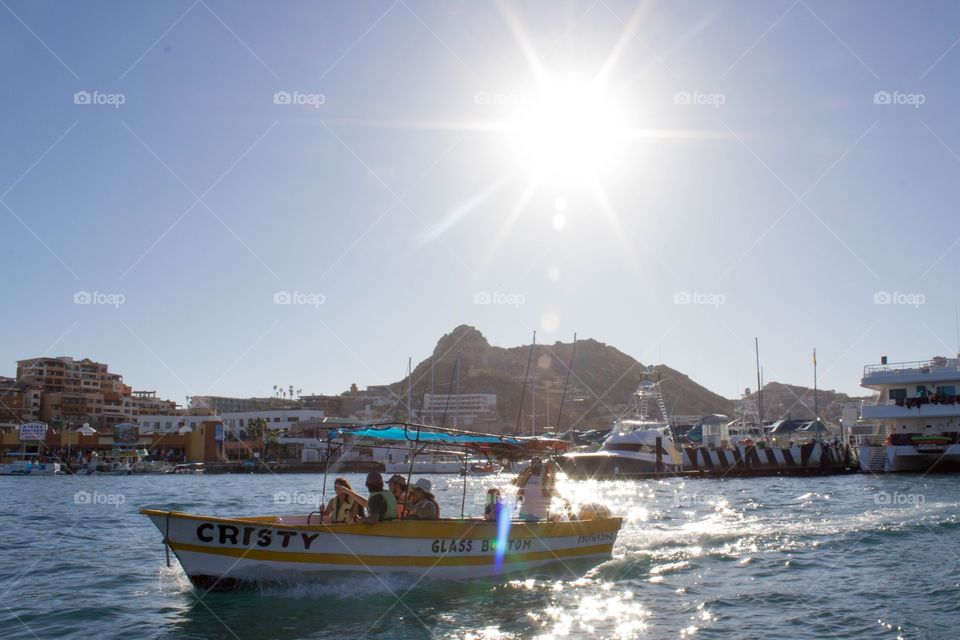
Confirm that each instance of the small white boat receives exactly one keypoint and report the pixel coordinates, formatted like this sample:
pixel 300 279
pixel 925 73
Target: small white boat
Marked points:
pixel 224 553
pixel 433 463
pixel 481 468
pixel 28 466
pixel 192 468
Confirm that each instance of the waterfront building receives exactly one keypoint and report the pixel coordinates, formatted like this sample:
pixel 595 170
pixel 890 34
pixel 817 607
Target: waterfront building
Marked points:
pixel 147 403
pixel 174 422
pixel 237 422
pixel 67 392
pixel 18 403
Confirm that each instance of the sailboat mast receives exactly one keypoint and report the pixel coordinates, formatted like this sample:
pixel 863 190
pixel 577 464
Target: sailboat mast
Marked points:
pixel 409 388
pixel 566 382
pixel 816 410
pixel 756 348
pixel 523 391
pixel 533 391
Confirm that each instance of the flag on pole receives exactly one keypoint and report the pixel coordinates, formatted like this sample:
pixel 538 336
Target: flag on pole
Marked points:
pixel 814 357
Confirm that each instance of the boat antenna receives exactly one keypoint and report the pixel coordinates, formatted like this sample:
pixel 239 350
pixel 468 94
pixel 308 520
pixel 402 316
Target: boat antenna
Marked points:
pixel 523 391
pixel 756 348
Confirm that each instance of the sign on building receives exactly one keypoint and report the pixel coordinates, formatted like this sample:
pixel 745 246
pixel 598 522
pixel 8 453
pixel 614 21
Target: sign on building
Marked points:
pixel 125 432
pixel 33 431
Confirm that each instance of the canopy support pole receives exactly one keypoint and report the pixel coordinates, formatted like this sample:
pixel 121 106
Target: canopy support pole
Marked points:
pixel 326 470
pixel 463 500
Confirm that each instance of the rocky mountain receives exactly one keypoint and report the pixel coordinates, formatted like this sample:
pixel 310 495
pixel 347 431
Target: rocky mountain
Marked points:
pixel 794 401
pixel 600 388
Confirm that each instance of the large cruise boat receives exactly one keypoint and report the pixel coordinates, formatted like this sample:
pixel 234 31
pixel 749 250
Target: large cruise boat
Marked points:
pixel 916 416
pixel 635 446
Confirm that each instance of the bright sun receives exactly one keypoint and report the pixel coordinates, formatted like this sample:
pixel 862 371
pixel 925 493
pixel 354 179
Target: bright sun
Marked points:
pixel 569 129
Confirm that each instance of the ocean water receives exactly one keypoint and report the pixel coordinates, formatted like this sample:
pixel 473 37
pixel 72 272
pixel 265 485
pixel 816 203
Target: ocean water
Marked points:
pixel 832 557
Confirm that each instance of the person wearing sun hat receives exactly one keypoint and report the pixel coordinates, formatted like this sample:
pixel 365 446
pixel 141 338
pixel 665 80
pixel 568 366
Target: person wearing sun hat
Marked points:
pixel 398 486
pixel 424 505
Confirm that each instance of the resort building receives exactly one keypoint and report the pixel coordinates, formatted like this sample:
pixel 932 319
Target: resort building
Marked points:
pixel 66 392
pixel 461 409
pixel 18 403
pixel 225 404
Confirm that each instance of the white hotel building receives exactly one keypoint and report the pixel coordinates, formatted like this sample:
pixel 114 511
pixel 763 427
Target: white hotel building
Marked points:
pixel 462 409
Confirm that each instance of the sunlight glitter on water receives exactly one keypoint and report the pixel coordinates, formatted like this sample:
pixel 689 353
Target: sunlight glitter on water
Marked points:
pixel 693 558
pixel 613 615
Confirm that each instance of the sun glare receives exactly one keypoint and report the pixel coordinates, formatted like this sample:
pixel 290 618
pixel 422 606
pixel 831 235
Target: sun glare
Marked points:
pixel 568 129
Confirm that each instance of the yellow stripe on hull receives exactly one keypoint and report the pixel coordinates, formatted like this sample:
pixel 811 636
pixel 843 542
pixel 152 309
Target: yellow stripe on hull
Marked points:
pixel 476 529
pixel 220 551
pixel 362 561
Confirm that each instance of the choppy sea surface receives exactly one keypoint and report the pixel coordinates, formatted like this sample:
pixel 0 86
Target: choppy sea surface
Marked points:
pixel 831 557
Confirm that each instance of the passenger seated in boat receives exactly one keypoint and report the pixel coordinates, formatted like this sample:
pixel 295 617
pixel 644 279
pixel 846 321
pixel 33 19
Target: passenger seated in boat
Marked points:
pixel 494 505
pixel 343 507
pixel 424 505
pixel 381 505
pixel 398 487
pixel 537 488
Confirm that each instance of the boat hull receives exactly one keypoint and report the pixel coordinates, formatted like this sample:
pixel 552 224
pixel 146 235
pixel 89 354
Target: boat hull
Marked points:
pixel 909 458
pixel 606 464
pixel 225 553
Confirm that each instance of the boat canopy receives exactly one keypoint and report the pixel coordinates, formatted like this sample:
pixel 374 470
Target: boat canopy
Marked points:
pixel 411 433
pixel 815 426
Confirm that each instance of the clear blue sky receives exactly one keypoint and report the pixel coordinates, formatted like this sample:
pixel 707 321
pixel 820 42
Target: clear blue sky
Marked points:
pixel 590 163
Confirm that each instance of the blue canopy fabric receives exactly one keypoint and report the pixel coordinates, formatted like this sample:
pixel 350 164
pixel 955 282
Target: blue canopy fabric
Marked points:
pixel 438 437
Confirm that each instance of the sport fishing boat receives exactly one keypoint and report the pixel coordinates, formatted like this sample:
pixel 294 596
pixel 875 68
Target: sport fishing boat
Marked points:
pixel 635 446
pixel 915 416
pixel 229 552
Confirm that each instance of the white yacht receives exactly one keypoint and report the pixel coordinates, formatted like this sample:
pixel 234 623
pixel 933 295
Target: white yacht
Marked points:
pixel 915 416
pixel 632 446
